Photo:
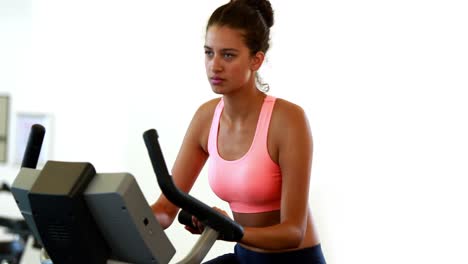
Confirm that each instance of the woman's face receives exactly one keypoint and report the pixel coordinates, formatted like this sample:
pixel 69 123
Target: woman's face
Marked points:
pixel 228 63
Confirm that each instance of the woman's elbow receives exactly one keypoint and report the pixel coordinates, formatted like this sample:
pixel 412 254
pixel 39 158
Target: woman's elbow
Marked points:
pixel 294 238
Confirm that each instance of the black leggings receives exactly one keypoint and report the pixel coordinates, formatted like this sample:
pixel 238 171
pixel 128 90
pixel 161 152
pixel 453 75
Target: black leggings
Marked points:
pixel 312 255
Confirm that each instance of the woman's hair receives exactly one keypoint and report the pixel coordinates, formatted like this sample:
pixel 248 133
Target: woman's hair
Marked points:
pixel 254 18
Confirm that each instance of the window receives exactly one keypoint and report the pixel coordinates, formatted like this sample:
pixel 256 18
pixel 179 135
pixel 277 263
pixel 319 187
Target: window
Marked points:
pixel 4 107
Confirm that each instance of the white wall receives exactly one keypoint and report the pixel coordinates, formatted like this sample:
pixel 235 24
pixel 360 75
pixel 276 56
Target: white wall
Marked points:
pixel 381 81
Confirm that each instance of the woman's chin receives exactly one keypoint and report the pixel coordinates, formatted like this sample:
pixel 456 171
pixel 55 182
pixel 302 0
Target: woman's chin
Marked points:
pixel 218 89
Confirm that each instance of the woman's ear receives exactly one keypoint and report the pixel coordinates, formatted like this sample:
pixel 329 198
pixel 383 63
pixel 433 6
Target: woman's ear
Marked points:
pixel 257 60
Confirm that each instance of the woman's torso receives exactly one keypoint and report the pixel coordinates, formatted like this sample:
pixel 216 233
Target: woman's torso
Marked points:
pixel 233 142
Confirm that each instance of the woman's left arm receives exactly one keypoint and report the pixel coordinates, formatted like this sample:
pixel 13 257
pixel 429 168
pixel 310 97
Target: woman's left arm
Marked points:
pixel 295 160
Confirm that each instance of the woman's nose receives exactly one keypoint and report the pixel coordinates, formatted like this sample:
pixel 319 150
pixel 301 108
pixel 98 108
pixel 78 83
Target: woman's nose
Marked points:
pixel 216 64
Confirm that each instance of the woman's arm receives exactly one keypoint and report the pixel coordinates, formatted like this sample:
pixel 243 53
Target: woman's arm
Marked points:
pixel 295 159
pixel 188 164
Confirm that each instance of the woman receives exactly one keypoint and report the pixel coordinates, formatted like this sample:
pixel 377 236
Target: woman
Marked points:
pixel 260 147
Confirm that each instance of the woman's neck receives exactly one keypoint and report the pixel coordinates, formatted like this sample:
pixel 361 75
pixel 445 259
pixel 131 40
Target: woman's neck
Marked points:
pixel 240 106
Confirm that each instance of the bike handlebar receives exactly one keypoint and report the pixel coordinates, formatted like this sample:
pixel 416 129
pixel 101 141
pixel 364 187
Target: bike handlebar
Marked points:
pixel 227 228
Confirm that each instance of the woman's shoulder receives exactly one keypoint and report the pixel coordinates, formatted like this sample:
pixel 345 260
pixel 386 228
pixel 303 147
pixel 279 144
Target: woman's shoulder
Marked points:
pixel 285 110
pixel 289 122
pixel 206 109
pixel 204 114
pixel 210 104
pixel 201 122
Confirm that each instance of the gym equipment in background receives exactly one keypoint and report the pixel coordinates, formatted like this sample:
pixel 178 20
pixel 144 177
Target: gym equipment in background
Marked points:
pixel 81 216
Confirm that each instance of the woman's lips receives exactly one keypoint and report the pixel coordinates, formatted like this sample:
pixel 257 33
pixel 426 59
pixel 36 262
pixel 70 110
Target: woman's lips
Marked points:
pixel 216 80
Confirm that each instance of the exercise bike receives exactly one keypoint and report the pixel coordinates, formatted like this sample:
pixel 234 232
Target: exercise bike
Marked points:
pixel 81 216
pixel 11 251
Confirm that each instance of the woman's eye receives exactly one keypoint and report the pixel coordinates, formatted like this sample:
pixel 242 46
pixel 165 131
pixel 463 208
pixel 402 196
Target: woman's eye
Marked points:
pixel 229 55
pixel 208 53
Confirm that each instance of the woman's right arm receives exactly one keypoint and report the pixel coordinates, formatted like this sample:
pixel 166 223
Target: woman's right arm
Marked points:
pixel 190 160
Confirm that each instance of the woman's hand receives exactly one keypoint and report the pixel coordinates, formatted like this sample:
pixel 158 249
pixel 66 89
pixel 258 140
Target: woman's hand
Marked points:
pixel 198 226
pixel 162 216
pixel 164 220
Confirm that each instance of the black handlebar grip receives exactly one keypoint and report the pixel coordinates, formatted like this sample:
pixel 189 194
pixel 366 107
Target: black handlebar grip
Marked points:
pixel 185 218
pixel 33 147
pixel 5 188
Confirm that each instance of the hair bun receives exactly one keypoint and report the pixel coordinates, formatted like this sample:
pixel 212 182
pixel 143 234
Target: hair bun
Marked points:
pixel 264 7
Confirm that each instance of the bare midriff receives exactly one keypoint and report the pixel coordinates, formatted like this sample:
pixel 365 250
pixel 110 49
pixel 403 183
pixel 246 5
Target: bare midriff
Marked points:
pixel 266 219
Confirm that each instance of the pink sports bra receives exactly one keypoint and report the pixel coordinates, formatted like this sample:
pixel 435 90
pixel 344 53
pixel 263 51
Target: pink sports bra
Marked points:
pixel 252 183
